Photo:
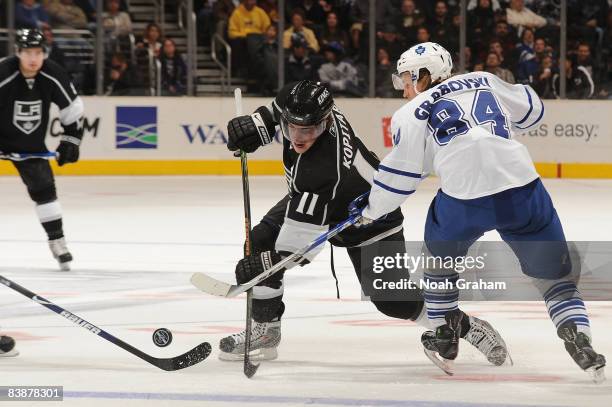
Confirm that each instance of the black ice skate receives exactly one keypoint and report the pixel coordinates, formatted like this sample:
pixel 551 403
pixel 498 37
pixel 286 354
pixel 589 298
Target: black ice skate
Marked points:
pixel 442 346
pixel 488 341
pixel 7 347
pixel 579 347
pixel 265 338
pixel 60 253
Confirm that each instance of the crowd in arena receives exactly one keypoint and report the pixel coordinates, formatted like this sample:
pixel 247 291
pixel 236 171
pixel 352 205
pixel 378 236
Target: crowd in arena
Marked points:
pixel 327 40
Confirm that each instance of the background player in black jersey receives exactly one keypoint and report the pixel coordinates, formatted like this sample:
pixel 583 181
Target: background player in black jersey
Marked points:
pixel 326 166
pixel 29 83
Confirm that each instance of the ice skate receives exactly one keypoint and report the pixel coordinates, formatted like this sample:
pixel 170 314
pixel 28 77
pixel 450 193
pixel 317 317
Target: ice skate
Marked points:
pixel 488 341
pixel 7 347
pixel 578 345
pixel 265 338
pixel 442 346
pixel 60 253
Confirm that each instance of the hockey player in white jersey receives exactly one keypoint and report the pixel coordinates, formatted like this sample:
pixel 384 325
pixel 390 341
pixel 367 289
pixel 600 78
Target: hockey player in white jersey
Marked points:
pixel 460 129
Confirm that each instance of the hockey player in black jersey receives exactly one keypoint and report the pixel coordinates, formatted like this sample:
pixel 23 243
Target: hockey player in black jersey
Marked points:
pixel 29 83
pixel 327 166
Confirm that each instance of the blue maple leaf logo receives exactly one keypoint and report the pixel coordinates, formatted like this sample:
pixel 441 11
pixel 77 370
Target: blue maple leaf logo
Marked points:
pixel 420 50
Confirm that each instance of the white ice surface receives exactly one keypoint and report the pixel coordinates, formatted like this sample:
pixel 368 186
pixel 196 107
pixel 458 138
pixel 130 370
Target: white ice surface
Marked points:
pixel 137 240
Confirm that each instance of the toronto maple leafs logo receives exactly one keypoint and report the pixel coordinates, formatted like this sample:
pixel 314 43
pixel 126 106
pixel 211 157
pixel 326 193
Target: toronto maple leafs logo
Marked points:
pixel 420 50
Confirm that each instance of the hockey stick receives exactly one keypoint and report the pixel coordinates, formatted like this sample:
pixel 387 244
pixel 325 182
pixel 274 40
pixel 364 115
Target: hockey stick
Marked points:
pixel 222 289
pixel 195 355
pixel 26 156
pixel 249 368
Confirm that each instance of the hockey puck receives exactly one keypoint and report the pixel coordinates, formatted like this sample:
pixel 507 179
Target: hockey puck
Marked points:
pixel 162 337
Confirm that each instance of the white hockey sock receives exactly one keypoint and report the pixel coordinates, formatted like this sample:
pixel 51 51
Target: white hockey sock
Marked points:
pixel 49 211
pixel 564 303
pixel 441 295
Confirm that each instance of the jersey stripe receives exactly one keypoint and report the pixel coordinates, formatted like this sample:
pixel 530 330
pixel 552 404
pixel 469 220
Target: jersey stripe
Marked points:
pixel 530 107
pixel 391 189
pixel 399 172
pixel 7 80
pixel 536 120
pixel 58 84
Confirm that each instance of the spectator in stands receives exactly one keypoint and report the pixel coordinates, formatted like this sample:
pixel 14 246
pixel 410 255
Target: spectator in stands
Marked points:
pixel 542 82
pixel 389 40
pixel 271 8
pixel 30 14
pixel 332 32
pixel 116 23
pixel 358 15
pixel 474 4
pixel 222 10
pixel 440 24
pixel 578 84
pixel 266 59
pixel 314 15
pixel 122 79
pixel 173 70
pixel 521 17
pixel 506 37
pixel 151 39
pixel 297 26
pixel 299 66
pixel 541 48
pixel 408 22
pixel 496 47
pixel 493 65
pixel 586 19
pixel 340 75
pixel 528 64
pixel 89 8
pixel 54 53
pixel 66 15
pixel 384 69
pixel 583 58
pixel 423 35
pixel 246 19
pixel 481 20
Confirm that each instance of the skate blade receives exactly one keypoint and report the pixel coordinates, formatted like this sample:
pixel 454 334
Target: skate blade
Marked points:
pixel 447 365
pixel 257 355
pixel 9 354
pixel 597 374
pixel 64 266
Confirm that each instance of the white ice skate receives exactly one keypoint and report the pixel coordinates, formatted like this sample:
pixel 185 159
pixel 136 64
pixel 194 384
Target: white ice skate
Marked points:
pixel 265 338
pixel 60 253
pixel 488 341
pixel 7 347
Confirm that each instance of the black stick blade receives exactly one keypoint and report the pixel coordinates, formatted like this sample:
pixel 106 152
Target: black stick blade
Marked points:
pixel 190 358
pixel 249 368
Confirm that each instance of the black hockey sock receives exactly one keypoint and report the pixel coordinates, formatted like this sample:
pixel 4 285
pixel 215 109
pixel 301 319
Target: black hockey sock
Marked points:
pixel 54 229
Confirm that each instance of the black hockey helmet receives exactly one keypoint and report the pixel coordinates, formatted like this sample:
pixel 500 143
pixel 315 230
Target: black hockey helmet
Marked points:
pixel 30 38
pixel 308 104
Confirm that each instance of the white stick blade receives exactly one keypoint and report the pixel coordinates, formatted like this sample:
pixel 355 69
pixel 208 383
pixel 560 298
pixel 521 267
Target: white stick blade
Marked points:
pixel 238 101
pixel 210 285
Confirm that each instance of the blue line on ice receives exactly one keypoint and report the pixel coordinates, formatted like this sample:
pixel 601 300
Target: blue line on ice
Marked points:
pixel 235 398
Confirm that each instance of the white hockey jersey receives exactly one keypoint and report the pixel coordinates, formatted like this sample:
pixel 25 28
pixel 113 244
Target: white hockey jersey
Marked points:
pixel 461 131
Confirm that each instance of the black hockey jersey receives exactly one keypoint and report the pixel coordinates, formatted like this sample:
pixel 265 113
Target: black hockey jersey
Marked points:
pixel 25 103
pixel 323 181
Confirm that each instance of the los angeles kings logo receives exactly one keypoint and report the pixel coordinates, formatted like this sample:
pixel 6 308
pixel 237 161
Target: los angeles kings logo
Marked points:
pixel 27 116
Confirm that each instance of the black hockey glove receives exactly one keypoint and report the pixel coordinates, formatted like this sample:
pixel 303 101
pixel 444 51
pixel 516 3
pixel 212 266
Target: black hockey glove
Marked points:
pixel 248 133
pixel 251 266
pixel 68 150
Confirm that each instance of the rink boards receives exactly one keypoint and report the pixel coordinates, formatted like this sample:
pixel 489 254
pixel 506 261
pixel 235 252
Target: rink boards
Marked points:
pixel 174 136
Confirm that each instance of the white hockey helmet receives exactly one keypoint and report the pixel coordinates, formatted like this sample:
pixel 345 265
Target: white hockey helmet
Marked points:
pixel 429 55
